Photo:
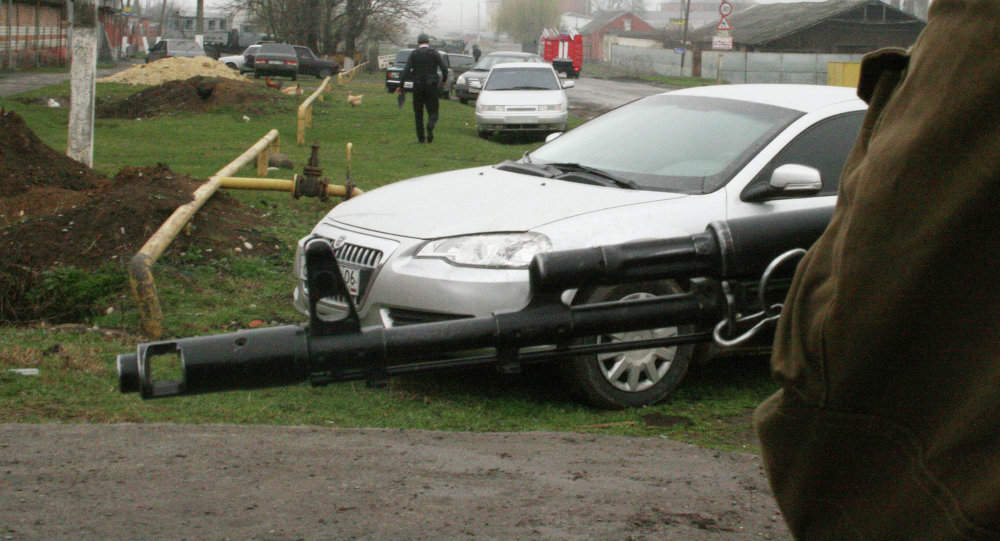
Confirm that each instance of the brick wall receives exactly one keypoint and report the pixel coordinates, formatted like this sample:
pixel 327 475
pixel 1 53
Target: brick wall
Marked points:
pixel 32 35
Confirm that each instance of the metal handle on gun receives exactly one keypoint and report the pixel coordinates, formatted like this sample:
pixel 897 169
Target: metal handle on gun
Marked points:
pixel 768 315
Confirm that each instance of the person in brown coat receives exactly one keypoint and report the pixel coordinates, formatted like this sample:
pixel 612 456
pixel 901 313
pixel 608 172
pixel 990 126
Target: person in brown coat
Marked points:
pixel 887 425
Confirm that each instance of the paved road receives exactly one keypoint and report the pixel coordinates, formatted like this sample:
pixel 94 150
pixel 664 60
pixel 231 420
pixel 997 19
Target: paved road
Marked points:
pixel 605 94
pixel 22 81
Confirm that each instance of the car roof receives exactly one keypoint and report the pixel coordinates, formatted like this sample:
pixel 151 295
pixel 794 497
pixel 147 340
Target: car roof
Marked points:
pixel 277 46
pixel 803 98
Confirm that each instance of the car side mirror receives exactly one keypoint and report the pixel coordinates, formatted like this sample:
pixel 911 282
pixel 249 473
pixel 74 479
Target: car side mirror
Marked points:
pixel 787 180
pixel 793 177
pixel 552 136
pixel 568 84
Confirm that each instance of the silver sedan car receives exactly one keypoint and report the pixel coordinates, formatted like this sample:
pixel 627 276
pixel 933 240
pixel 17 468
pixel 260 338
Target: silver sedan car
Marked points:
pixel 457 244
pixel 522 97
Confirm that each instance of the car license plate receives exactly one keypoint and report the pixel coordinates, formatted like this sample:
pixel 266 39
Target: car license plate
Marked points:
pixel 278 62
pixel 352 279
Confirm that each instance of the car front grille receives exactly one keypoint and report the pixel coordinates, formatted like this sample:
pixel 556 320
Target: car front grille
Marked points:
pixel 357 256
pixel 401 317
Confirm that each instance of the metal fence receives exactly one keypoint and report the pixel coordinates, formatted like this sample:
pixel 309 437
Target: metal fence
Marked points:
pixel 733 67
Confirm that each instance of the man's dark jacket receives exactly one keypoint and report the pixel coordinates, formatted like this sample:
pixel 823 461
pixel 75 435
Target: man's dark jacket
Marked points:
pixel 422 68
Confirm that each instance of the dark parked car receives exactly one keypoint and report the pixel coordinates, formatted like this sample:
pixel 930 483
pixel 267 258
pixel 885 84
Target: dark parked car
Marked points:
pixel 276 59
pixel 396 69
pixel 166 48
pixel 457 65
pixel 310 64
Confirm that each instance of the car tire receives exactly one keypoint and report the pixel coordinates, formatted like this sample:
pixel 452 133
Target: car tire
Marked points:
pixel 295 76
pixel 256 75
pixel 232 65
pixel 389 89
pixel 485 134
pixel 324 73
pixel 463 101
pixel 630 378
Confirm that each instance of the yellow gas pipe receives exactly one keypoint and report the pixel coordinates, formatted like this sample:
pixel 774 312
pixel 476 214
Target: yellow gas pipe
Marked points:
pixel 278 185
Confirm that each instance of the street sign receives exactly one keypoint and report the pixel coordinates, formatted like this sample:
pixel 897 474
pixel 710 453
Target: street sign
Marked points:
pixel 722 43
pixel 679 50
pixel 725 8
pixel 677 21
pixel 724 25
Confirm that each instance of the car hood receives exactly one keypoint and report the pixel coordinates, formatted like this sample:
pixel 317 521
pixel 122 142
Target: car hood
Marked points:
pixel 478 200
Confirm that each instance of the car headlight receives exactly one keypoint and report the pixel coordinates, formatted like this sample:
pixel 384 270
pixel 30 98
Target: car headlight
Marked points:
pixel 460 80
pixel 489 108
pixel 556 107
pixel 500 250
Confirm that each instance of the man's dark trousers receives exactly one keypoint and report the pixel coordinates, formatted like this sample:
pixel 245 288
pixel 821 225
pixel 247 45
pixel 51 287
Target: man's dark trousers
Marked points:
pixel 425 96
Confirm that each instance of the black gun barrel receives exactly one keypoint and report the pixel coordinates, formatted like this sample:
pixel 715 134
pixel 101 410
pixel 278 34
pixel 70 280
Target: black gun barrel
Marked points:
pixel 324 353
pixel 734 249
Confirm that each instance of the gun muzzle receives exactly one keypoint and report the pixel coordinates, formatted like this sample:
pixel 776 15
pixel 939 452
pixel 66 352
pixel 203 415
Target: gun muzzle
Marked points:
pixel 248 359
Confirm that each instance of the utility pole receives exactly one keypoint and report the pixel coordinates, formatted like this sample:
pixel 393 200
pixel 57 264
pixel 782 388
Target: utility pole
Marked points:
pixel 83 85
pixel 199 23
pixel 684 37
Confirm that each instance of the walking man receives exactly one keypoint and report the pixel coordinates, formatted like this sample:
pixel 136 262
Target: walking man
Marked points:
pixel 422 70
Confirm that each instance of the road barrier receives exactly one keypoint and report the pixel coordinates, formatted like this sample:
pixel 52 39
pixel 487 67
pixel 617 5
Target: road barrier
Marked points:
pixel 140 268
pixel 346 76
pixel 305 109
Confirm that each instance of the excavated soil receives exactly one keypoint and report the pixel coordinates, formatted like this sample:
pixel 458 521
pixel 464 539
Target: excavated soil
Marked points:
pixel 194 95
pixel 56 212
pixel 177 68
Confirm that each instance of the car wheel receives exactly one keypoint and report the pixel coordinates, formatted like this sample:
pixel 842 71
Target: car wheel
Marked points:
pixel 232 65
pixel 295 76
pixel 324 73
pixel 629 378
pixel 256 75
pixel 463 101
pixel 485 134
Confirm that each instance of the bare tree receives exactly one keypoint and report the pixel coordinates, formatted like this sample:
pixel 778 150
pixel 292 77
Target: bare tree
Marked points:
pixel 524 20
pixel 635 6
pixel 324 24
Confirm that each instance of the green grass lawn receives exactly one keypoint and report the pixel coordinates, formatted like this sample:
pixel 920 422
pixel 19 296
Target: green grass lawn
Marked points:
pixel 199 295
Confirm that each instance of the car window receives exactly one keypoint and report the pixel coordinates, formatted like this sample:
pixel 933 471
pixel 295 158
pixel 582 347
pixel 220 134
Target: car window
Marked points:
pixel 461 61
pixel 184 46
pixel 304 52
pixel 487 62
pixel 824 146
pixel 522 79
pixel 402 56
pixel 686 144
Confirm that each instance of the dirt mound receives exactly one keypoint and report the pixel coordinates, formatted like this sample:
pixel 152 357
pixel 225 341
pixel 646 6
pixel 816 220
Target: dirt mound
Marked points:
pixel 25 162
pixel 197 94
pixel 176 68
pixel 79 235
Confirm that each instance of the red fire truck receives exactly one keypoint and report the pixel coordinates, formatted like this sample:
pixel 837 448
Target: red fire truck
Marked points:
pixel 564 51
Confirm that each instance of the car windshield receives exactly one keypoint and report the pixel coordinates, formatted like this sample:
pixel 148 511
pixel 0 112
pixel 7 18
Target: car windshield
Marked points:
pixel 685 144
pixel 187 46
pixel 522 79
pixel 487 62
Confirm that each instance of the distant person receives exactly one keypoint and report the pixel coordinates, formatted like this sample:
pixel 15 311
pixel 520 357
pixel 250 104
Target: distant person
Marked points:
pixel 422 70
pixel 476 52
